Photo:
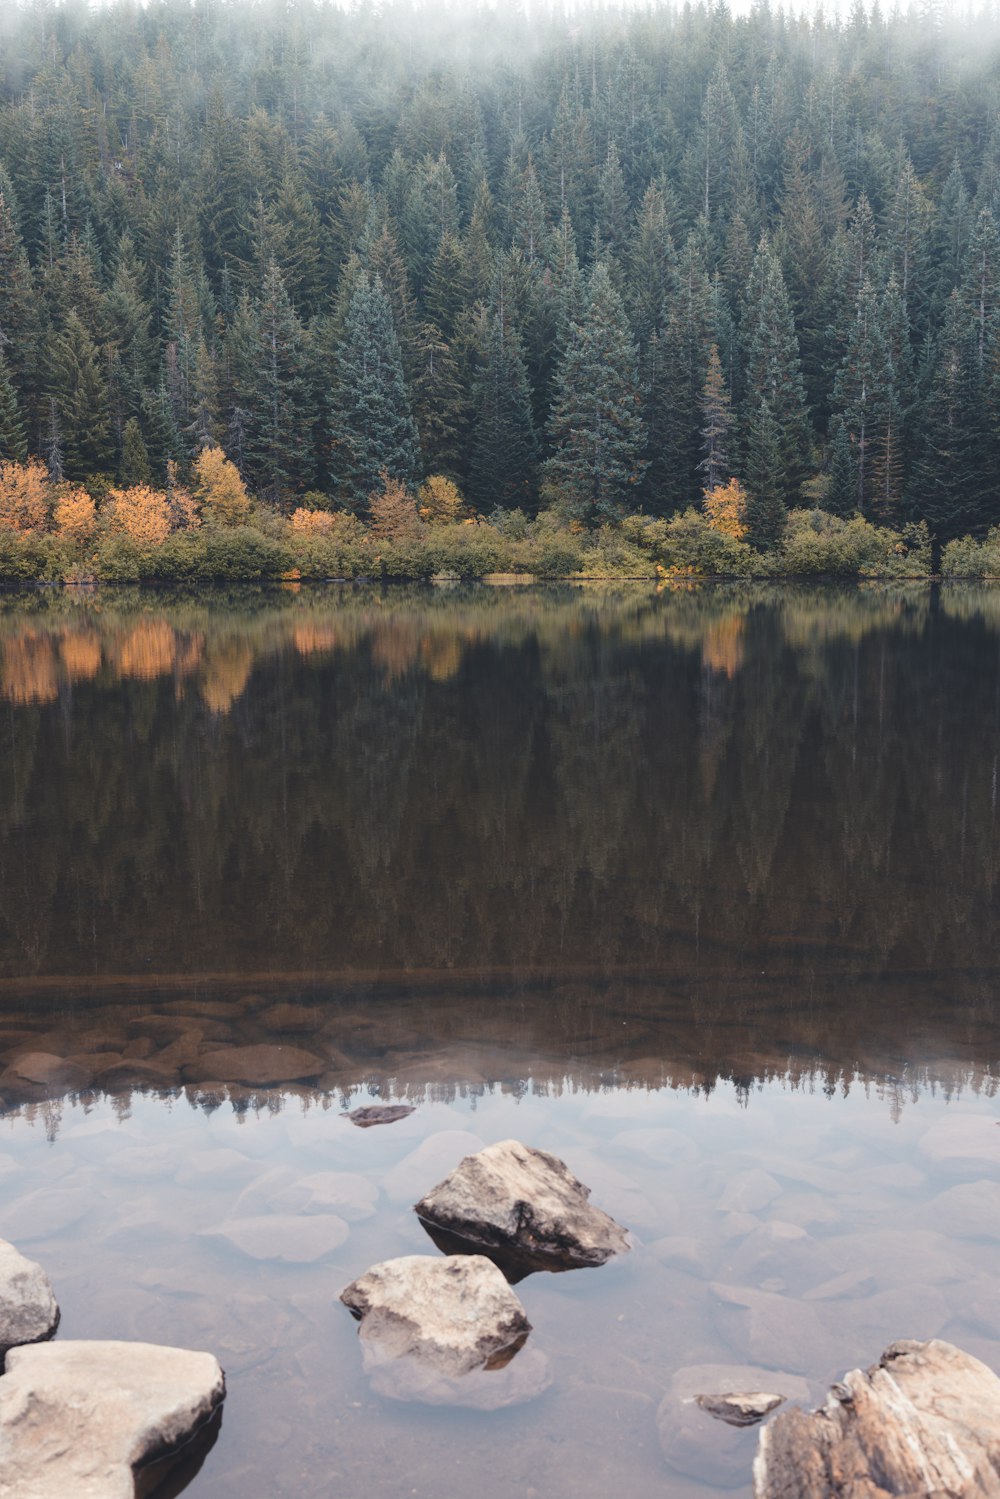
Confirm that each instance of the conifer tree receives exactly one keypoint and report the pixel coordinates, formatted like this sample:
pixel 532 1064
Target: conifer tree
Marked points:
pixel 134 467
pixel 863 394
pixel 766 516
pixel 504 468
pixel 12 437
pixel 596 427
pixel 773 373
pixel 370 422
pixel 717 415
pixel 841 495
pixel 80 392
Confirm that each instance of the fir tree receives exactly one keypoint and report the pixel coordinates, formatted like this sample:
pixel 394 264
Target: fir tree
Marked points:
pixel 766 515
pixel 717 415
pixel 596 426
pixel 134 467
pixel 12 437
pixel 504 467
pixel 773 374
pixel 370 422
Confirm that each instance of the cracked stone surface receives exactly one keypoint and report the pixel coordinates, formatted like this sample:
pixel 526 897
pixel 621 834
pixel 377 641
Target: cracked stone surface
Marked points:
pixel 78 1418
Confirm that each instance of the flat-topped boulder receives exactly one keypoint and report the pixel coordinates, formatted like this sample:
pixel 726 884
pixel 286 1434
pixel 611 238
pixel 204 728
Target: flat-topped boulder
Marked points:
pixel 444 1331
pixel 29 1312
pixel 80 1418
pixel 523 1208
pixel 924 1420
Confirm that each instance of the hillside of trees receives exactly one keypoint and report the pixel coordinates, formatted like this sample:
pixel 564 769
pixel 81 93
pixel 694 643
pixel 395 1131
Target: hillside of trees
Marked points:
pixel 592 265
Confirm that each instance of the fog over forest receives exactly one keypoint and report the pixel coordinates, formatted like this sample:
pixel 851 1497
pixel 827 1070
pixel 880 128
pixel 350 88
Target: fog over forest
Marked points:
pixel 593 264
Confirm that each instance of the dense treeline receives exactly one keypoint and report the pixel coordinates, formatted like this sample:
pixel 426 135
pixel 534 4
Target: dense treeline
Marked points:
pixel 592 265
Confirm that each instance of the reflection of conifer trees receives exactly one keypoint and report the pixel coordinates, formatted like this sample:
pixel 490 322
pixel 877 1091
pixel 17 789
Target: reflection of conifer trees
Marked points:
pixel 548 781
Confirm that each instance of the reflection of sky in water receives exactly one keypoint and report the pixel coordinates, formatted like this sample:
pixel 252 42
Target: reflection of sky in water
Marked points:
pixel 798 1233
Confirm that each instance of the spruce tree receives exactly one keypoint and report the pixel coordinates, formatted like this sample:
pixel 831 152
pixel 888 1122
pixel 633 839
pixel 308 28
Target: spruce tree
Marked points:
pixel 717 415
pixel 12 437
pixel 504 468
pixel 134 467
pixel 773 373
pixel 863 394
pixel 766 514
pixel 841 495
pixel 80 392
pixel 596 426
pixel 371 425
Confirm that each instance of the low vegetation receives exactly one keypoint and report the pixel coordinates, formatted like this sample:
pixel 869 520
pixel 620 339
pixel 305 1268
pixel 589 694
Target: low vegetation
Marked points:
pixel 212 528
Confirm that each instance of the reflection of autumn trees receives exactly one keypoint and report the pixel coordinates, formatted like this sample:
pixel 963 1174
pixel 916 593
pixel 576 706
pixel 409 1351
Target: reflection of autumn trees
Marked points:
pixel 731 780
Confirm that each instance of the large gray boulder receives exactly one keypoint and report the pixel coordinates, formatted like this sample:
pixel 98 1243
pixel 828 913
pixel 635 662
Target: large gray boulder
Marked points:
pixel 524 1209
pixel 28 1309
pixel 80 1418
pixel 924 1420
pixel 445 1332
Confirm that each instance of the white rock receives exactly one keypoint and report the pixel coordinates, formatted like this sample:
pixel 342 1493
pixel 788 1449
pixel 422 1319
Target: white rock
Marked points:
pixel 513 1199
pixel 28 1309
pixel 77 1418
pixel 428 1325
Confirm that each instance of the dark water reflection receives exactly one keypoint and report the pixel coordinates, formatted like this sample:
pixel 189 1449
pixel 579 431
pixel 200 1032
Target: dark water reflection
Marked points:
pixel 696 890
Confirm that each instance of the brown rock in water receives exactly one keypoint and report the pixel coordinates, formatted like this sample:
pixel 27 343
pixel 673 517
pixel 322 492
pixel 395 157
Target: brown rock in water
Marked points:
pixel 261 1065
pixel 51 1071
pixel 287 1018
pixel 78 1419
pixel 445 1331
pixel 379 1113
pixel 746 1409
pixel 716 1451
pixel 924 1420
pixel 525 1208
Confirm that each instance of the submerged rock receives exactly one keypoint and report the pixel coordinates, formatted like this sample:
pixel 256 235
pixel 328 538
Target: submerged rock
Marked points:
pixel 29 1312
pixel 286 1237
pixel 80 1418
pixel 747 1409
pixel 924 1420
pixel 445 1331
pixel 703 1433
pixel 379 1113
pixel 523 1208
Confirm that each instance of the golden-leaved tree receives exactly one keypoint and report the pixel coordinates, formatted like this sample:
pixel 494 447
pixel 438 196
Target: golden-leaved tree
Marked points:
pixel 24 496
pixel 219 490
pixel 439 501
pixel 392 513
pixel 140 513
pixel 726 509
pixel 75 516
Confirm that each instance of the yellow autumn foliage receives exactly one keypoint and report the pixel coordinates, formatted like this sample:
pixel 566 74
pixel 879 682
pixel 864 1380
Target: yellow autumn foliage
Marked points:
pixel 312 522
pixel 439 501
pixel 24 495
pixel 219 490
pixel 140 513
pixel 392 513
pixel 726 509
pixel 75 516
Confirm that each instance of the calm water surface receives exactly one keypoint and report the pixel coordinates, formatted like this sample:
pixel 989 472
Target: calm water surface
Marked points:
pixel 696 890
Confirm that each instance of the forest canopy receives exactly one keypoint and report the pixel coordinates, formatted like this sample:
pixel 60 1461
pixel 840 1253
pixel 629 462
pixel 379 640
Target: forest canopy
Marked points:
pixel 595 265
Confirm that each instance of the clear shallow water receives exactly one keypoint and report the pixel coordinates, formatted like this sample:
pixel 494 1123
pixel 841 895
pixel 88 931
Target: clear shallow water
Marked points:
pixel 696 891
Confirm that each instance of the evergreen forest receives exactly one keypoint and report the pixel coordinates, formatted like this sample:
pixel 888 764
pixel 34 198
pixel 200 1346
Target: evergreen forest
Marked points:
pixel 588 266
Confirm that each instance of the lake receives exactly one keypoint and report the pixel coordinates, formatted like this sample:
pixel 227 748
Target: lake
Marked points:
pixel 695 888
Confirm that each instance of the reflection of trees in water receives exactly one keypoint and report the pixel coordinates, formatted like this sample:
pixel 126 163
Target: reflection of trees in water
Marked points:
pixel 747 776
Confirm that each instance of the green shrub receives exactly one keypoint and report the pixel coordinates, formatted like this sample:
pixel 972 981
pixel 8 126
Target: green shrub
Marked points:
pixel 687 543
pixel 29 556
pixel 967 558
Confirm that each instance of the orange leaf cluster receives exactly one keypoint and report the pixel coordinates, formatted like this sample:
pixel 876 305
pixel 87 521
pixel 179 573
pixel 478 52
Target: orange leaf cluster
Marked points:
pixel 726 509
pixel 392 511
pixel 76 516
pixel 24 495
pixel 439 501
pixel 312 522
pixel 140 513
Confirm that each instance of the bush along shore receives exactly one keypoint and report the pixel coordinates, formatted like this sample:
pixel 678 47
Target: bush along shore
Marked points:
pixel 211 528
